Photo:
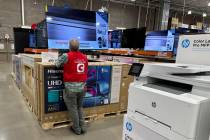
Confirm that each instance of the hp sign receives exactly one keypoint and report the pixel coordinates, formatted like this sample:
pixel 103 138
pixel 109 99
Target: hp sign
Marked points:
pixel 129 126
pixel 186 43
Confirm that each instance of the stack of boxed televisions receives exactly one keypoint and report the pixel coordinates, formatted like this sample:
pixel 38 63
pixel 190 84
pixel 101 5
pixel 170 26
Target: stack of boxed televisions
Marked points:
pixel 42 88
pixel 16 69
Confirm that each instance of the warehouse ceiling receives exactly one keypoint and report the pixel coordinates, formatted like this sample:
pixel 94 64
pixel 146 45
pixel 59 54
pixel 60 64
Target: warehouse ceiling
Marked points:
pixel 197 6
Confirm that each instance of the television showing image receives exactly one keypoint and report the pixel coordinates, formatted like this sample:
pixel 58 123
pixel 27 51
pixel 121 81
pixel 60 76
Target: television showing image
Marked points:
pixel 90 28
pixel 32 39
pixel 160 41
pixel 115 38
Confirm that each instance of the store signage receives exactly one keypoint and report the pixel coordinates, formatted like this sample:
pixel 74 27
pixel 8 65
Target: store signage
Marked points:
pixel 129 126
pixel 53 90
pixel 194 49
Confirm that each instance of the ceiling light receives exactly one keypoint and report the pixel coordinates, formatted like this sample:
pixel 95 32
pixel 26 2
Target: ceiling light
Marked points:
pixel 133 0
pixel 120 28
pixel 49 18
pixel 189 12
pixel 209 4
pixel 204 15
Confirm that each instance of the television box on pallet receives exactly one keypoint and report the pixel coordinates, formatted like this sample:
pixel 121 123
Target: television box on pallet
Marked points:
pixel 51 107
pixel 16 70
pixel 28 68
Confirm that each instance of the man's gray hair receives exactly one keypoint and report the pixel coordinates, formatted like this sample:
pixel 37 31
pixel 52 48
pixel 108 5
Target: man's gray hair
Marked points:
pixel 74 45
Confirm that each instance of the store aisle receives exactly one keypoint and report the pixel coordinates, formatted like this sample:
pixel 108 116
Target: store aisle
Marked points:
pixel 17 123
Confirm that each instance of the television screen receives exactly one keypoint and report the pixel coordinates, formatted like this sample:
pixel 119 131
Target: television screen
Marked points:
pixel 133 38
pixel 115 38
pixel 90 28
pixel 160 41
pixel 32 39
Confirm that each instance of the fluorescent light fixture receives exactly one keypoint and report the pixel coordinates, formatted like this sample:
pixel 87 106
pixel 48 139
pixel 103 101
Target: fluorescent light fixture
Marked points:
pixel 110 30
pixel 120 28
pixel 209 4
pixel 133 0
pixel 49 18
pixel 26 27
pixel 189 12
pixel 204 15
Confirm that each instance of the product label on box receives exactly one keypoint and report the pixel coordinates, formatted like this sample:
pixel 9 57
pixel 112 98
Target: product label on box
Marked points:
pixel 98 86
pixel 54 88
pixel 51 57
pixel 116 80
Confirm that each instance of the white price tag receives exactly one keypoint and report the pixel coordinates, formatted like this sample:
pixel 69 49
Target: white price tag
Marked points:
pixel 12 46
pixel 1 46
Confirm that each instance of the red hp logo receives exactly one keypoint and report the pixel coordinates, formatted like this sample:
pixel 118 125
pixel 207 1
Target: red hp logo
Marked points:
pixel 80 68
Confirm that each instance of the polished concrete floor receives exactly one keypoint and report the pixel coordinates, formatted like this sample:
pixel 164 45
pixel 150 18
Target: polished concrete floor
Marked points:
pixel 17 122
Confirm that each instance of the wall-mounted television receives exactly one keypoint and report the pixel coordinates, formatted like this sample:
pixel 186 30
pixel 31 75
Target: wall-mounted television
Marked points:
pixel 89 27
pixel 134 38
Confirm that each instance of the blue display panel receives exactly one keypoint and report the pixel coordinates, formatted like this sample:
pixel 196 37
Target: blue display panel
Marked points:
pixel 90 29
pixel 160 41
pixel 98 86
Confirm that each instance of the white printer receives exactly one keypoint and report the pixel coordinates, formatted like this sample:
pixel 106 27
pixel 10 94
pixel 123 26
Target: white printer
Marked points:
pixel 172 102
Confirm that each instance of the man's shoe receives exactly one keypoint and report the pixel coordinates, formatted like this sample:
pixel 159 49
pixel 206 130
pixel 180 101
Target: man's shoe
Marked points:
pixel 75 132
pixel 83 131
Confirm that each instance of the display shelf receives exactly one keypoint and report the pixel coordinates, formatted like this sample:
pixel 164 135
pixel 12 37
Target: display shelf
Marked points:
pixel 37 51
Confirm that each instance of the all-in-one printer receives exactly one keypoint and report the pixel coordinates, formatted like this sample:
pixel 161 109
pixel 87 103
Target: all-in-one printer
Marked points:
pixel 172 101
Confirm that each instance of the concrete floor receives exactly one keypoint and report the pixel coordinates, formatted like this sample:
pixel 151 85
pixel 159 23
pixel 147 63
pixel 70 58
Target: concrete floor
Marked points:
pixel 17 122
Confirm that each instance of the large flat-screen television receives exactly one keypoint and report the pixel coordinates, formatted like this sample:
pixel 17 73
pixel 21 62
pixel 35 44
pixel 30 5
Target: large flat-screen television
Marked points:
pixel 115 38
pixel 133 38
pixel 89 27
pixel 160 41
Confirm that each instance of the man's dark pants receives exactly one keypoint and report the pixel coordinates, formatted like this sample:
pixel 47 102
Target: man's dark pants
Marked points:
pixel 74 104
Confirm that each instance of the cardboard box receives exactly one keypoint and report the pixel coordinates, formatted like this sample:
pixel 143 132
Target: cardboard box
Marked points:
pixel 28 77
pixel 125 82
pixel 38 74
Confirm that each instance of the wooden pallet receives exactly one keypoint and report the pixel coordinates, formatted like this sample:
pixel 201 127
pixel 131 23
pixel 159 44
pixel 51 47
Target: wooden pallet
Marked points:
pixel 111 114
pixel 88 119
pixel 54 125
pixel 64 123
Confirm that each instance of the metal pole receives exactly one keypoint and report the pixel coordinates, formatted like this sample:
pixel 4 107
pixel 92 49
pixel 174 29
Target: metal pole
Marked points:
pixel 22 12
pixel 139 17
pixel 183 12
pixel 147 13
pixel 91 5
